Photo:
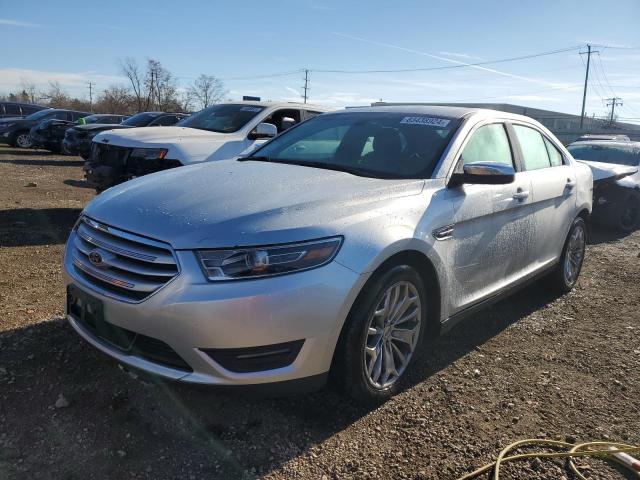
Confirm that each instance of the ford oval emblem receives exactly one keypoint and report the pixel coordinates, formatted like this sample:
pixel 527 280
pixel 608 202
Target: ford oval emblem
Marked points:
pixel 95 258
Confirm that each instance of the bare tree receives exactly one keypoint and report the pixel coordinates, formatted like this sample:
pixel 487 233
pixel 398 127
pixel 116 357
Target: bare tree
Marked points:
pixel 154 88
pixel 161 87
pixel 207 90
pixel 131 70
pixel 29 90
pixel 116 99
pixel 56 96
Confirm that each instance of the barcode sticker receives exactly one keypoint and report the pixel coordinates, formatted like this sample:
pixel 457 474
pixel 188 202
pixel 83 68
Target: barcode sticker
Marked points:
pixel 427 121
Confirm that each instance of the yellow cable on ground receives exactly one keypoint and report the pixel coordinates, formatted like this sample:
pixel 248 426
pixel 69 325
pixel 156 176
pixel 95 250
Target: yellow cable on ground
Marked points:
pixel 574 450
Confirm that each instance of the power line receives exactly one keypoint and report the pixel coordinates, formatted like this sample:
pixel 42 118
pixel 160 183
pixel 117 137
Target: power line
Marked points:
pixel 425 69
pixel 449 67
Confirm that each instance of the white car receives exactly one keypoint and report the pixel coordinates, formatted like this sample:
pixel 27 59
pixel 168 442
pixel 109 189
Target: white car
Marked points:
pixel 219 132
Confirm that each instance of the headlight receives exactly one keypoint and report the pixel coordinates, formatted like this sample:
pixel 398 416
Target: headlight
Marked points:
pixel 267 261
pixel 149 153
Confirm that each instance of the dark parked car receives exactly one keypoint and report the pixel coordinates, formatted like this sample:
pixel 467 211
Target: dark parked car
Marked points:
pixel 77 140
pixel 18 110
pixel 49 133
pixel 616 180
pixel 604 136
pixel 15 132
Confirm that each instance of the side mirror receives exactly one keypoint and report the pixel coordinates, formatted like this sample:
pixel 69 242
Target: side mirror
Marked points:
pixel 263 130
pixel 484 173
pixel 287 122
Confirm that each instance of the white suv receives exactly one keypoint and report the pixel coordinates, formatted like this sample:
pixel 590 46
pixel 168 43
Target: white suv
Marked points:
pixel 218 132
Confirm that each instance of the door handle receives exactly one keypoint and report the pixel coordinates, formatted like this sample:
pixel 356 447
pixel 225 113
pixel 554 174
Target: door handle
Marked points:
pixel 571 183
pixel 521 194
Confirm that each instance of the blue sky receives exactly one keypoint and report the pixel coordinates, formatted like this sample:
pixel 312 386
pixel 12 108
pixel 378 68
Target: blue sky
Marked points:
pixel 75 42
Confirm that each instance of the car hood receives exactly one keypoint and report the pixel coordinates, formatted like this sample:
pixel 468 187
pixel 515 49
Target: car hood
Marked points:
pixel 20 121
pixel 230 203
pixel 602 171
pixel 9 119
pixel 100 126
pixel 143 136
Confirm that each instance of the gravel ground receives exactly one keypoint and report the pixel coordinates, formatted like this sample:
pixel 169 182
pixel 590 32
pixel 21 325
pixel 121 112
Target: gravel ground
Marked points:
pixel 535 365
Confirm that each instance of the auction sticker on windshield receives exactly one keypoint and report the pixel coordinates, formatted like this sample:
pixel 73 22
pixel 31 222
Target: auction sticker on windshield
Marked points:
pixel 428 121
pixel 250 109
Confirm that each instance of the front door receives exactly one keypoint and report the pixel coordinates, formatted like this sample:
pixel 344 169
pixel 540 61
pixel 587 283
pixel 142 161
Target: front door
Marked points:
pixel 491 223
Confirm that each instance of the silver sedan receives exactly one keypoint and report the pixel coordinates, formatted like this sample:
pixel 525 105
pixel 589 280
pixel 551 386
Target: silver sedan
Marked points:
pixel 337 247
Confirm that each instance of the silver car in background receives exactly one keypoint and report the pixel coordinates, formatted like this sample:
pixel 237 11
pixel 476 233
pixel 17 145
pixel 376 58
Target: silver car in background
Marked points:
pixel 339 246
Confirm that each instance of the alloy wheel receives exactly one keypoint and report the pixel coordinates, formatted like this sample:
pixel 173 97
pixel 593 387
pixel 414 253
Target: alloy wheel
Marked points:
pixel 574 255
pixel 23 140
pixel 393 330
pixel 630 214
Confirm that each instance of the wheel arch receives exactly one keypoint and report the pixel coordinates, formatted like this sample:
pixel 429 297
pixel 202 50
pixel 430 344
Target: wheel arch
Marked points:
pixel 585 214
pixel 429 275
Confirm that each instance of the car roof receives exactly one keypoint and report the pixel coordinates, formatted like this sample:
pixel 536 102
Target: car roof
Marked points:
pixel 441 111
pixel 607 143
pixel 306 106
pixel 22 104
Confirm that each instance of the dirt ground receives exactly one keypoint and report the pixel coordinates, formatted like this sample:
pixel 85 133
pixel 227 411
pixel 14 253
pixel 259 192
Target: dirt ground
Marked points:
pixel 535 365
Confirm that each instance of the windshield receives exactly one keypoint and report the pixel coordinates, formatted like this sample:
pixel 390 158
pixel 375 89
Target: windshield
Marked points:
pixel 618 154
pixel 91 119
pixel 223 118
pixel 376 144
pixel 37 115
pixel 141 119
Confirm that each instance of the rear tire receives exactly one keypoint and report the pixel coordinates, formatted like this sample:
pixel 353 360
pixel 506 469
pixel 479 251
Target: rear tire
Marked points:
pixel 630 213
pixel 565 276
pixel 383 336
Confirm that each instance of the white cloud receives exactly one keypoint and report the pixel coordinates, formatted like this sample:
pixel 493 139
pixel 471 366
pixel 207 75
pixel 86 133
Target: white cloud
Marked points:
pixel 534 98
pixel 17 23
pixel 292 90
pixel 75 83
pixel 449 60
pixel 460 55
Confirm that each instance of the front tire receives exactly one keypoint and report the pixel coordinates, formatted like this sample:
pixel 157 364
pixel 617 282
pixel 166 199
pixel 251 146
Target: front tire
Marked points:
pixel 383 335
pixel 566 274
pixel 23 140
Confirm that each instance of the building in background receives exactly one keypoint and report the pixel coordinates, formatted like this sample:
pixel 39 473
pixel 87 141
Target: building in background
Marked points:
pixel 563 125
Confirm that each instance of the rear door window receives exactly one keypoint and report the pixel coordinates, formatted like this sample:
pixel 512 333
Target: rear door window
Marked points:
pixel 12 109
pixel 534 150
pixel 554 155
pixel 488 144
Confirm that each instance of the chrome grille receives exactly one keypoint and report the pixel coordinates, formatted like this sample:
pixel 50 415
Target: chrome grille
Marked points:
pixel 120 264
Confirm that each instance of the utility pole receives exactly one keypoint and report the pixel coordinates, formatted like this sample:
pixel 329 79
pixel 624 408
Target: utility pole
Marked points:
pixel 90 97
pixel 306 84
pixel 586 80
pixel 613 103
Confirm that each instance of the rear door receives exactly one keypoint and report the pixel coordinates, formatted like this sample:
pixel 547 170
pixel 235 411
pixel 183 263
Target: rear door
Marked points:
pixel 553 185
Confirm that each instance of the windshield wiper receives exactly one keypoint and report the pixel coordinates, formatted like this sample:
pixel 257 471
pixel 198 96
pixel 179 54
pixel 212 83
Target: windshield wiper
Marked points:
pixel 254 159
pixel 360 172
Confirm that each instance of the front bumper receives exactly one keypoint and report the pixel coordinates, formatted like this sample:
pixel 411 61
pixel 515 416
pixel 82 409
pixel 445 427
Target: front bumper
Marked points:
pixel 191 315
pixel 78 147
